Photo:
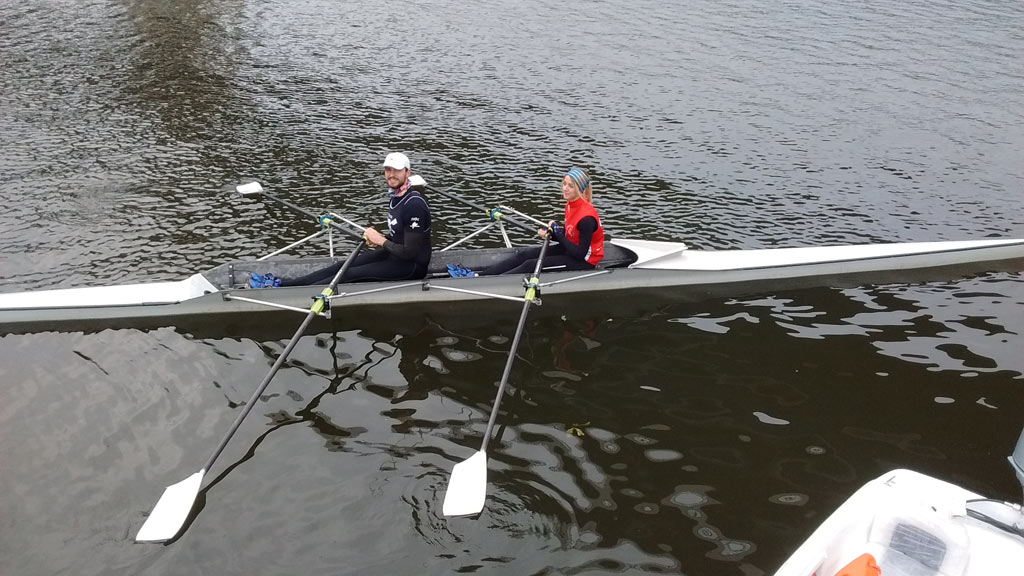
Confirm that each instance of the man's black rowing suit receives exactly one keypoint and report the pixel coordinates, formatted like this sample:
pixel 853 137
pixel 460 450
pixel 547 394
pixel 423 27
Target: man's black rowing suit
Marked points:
pixel 404 256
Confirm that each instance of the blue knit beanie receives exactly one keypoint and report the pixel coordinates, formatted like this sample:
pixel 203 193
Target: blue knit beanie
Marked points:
pixel 580 178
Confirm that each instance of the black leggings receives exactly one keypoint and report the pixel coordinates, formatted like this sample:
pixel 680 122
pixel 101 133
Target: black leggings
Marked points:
pixel 523 263
pixel 372 266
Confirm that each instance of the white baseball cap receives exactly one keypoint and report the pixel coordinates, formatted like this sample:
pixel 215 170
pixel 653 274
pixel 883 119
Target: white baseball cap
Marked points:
pixel 397 160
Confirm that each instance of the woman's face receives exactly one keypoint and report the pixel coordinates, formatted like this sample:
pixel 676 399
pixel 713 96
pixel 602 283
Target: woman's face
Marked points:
pixel 570 191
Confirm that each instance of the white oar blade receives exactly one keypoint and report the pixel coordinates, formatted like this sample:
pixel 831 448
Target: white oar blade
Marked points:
pixel 467 488
pixel 250 188
pixel 171 510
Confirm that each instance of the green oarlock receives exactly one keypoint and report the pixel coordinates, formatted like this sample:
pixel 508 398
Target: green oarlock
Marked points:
pixel 318 304
pixel 531 289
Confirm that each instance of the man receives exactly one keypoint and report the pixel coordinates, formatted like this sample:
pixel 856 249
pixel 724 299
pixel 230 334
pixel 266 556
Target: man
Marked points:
pixel 401 255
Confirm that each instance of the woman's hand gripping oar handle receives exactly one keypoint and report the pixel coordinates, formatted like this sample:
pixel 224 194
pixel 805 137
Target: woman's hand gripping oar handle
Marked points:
pixel 172 510
pixel 467 488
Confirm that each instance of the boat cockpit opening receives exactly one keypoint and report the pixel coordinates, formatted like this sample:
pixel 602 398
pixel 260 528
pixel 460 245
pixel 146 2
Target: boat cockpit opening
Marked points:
pixel 481 259
pixel 236 274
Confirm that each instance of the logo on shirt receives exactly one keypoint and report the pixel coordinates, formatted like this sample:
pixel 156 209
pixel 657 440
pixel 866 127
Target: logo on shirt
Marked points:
pixel 415 222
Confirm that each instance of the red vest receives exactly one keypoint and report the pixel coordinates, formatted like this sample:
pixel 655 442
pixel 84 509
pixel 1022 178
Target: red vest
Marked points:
pixel 574 212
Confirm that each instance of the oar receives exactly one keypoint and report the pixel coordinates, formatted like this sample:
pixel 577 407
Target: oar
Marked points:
pixel 174 505
pixel 528 227
pixel 467 488
pixel 254 188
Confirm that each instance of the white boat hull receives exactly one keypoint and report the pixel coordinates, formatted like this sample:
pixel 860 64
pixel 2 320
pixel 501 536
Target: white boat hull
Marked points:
pixel 910 524
pixel 666 270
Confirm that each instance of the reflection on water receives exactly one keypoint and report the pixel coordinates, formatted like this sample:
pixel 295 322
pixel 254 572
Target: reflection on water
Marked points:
pixel 635 443
pixel 691 501
pixel 926 324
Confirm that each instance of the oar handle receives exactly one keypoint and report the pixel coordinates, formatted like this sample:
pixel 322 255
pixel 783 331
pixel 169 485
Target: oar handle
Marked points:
pixel 531 293
pixel 315 309
pixel 456 197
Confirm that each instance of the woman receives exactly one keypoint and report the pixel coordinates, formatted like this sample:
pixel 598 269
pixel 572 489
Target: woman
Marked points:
pixel 578 244
pixel 401 255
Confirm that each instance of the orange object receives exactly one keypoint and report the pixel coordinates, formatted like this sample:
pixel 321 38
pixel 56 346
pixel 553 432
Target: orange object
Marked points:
pixel 863 565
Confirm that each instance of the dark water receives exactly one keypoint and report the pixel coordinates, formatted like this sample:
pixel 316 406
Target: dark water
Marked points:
pixel 705 438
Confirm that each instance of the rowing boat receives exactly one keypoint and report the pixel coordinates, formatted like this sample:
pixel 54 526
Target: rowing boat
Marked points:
pixel 669 270
pixel 664 271
pixel 904 522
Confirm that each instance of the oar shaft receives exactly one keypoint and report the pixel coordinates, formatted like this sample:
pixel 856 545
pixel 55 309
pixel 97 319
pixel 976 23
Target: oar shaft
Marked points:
pixel 313 311
pixel 530 293
pixel 471 204
pixel 302 210
pixel 536 221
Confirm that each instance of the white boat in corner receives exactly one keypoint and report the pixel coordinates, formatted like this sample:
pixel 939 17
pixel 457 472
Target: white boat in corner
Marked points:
pixel 906 523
